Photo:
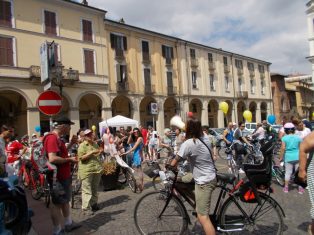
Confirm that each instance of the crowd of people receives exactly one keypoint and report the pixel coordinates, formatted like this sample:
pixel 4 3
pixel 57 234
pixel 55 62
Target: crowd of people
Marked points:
pixel 137 145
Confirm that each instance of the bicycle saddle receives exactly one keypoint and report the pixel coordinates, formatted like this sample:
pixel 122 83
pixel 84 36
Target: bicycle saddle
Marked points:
pixel 226 178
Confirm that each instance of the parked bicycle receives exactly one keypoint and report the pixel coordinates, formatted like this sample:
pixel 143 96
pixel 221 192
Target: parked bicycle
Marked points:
pixel 240 209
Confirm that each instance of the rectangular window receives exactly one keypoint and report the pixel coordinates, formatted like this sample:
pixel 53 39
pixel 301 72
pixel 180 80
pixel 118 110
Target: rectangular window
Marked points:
pixel 167 52
pixel 147 79
pixel 118 42
pixel 169 79
pixel 6 51
pixel 261 68
pixel 262 87
pixel 252 86
pixel 226 83
pixel 192 53
pixel 194 79
pixel 5 13
pixel 238 64
pixel 225 60
pixel 89 61
pixel 121 73
pixel 212 82
pixel 240 84
pixel 210 57
pixel 50 23
pixel 87 29
pixel 250 66
pixel 145 51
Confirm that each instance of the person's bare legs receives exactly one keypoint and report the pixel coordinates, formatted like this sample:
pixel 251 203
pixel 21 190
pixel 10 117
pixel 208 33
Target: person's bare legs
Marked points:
pixel 206 224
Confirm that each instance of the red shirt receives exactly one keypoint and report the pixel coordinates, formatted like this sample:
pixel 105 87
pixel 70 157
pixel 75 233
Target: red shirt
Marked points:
pixel 13 150
pixel 144 134
pixel 53 144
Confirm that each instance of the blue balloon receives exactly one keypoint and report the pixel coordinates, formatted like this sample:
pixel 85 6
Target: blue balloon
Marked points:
pixel 37 128
pixel 271 119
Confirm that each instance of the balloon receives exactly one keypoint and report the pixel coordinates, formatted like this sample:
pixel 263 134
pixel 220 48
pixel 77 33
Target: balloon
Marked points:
pixel 247 115
pixel 37 128
pixel 271 119
pixel 189 114
pixel 313 115
pixel 223 106
pixel 94 128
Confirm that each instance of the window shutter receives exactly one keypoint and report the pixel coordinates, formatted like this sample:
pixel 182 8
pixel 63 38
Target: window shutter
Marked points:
pixel 163 50
pixel 89 61
pixel 118 70
pixel 5 18
pixel 3 52
pixel 6 51
pixel 56 54
pixel 112 40
pixel 169 79
pixel 87 30
pixel 9 52
pixel 123 73
pixel 47 22
pixel 145 47
pixel 147 77
pixel 125 43
pixel 53 22
pixel 171 51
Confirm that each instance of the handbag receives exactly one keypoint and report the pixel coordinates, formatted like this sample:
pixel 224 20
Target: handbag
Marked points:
pixel 297 180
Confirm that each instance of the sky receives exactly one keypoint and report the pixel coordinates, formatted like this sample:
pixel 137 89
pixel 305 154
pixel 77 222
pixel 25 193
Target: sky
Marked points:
pixel 271 30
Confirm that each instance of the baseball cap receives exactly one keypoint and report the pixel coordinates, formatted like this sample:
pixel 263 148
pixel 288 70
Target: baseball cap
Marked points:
pixel 63 120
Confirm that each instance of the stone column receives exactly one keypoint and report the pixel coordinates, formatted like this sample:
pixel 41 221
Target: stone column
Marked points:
pixel 204 115
pixel 106 113
pixel 220 118
pixel 33 119
pixel 74 115
pixel 234 113
pixel 258 114
pixel 160 123
pixel 136 110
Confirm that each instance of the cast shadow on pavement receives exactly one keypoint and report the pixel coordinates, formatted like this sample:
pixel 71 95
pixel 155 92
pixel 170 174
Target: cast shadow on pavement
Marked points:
pixel 114 201
pixel 92 224
pixel 304 226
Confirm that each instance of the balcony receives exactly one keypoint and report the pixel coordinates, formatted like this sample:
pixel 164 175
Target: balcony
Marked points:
pixel 240 71
pixel 194 63
pixel 146 58
pixel 226 69
pixel 122 86
pixel 252 73
pixel 119 55
pixel 211 65
pixel 172 90
pixel 168 62
pixel 149 89
pixel 68 75
pixel 242 94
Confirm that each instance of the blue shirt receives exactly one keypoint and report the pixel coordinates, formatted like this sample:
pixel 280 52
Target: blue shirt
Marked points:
pixel 292 147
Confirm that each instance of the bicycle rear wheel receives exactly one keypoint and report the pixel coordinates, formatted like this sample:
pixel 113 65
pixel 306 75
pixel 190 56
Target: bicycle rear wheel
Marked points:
pixel 174 219
pixel 131 181
pixel 238 217
pixel 279 175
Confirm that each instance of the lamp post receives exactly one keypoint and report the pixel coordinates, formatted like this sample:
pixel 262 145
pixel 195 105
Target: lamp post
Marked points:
pixel 58 78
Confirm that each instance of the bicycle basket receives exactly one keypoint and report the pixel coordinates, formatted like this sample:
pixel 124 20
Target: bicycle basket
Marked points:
pixel 246 193
pixel 259 174
pixel 151 169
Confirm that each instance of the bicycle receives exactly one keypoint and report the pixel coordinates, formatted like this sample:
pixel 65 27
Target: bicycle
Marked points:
pixel 241 209
pixel 76 183
pixel 278 174
pixel 127 173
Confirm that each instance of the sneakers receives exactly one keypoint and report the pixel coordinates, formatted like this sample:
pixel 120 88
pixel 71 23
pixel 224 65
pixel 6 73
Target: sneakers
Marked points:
pixel 301 190
pixel 71 227
pixel 286 189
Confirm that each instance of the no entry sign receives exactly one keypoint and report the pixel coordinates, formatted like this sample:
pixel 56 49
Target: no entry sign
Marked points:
pixel 49 103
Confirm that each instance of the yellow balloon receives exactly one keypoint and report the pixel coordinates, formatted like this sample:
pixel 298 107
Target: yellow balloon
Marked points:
pixel 93 127
pixel 223 106
pixel 247 115
pixel 313 114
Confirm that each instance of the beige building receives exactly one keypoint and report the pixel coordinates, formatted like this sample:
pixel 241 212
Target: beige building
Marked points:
pixel 113 68
pixel 78 33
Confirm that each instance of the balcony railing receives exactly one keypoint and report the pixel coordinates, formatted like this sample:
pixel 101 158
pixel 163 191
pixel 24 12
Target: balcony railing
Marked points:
pixel 211 65
pixel 226 69
pixel 172 90
pixel 168 61
pixel 68 75
pixel 119 54
pixel 240 71
pixel 194 62
pixel 149 89
pixel 122 86
pixel 242 94
pixel 146 57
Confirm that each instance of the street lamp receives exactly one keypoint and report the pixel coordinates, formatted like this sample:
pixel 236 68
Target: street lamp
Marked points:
pixel 59 76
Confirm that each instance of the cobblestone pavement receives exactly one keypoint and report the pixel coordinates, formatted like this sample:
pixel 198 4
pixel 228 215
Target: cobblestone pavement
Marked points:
pixel 116 212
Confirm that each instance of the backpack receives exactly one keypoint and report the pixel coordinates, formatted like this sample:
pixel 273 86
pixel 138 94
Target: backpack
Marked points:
pixel 38 153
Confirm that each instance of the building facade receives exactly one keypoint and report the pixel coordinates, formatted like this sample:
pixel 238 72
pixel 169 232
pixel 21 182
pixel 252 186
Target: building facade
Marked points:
pixel 310 24
pixel 112 68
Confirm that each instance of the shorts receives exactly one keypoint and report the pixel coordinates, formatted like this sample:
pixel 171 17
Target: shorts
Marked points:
pixel 203 194
pixel 153 146
pixel 58 198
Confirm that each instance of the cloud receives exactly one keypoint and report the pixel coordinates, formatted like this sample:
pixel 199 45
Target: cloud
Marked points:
pixel 274 31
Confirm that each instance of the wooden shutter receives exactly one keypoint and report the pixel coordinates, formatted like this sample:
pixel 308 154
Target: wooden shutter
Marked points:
pixel 50 23
pixel 112 40
pixel 89 61
pixel 87 30
pixel 147 77
pixel 125 47
pixel 6 51
pixel 169 79
pixel 5 13
pixel 145 47
pixel 163 51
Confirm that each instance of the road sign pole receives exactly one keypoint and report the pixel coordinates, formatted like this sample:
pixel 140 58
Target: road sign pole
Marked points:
pixel 50 123
pixel 154 122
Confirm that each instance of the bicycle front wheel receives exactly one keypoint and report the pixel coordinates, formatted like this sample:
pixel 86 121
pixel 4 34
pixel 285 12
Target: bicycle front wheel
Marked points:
pixel 279 176
pixel 131 181
pixel 157 183
pixel 238 217
pixel 148 220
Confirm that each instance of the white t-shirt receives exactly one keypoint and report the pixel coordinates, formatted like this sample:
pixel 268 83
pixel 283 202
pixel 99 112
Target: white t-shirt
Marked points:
pixel 201 163
pixel 303 133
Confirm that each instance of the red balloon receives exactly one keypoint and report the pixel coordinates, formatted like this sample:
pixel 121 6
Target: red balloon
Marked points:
pixel 189 114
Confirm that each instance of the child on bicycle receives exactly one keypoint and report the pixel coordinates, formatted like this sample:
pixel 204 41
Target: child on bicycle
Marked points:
pixel 289 151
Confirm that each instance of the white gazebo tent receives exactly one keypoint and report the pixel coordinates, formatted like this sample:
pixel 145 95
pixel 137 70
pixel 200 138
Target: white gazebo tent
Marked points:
pixel 118 121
